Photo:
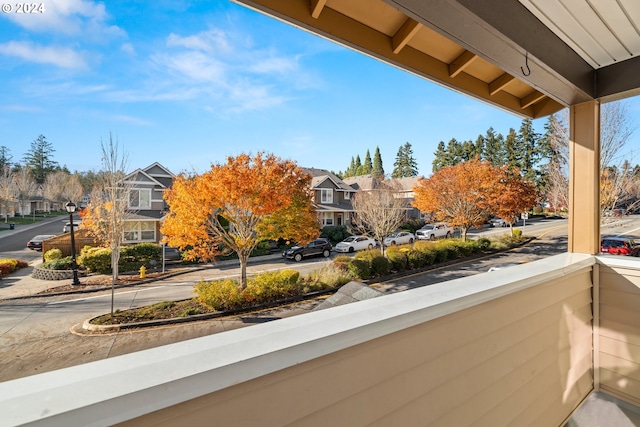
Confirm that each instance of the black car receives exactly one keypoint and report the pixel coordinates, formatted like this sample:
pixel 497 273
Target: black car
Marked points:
pixel 36 242
pixel 315 248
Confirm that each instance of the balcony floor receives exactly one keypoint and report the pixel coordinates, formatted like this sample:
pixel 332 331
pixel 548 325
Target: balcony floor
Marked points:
pixel 600 409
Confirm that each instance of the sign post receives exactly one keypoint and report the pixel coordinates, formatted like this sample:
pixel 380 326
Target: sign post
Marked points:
pixel 525 217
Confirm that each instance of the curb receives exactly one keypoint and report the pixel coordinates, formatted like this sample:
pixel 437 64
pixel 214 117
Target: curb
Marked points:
pixel 88 326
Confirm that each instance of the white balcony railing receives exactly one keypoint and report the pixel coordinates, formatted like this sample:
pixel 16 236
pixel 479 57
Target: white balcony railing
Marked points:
pixel 511 347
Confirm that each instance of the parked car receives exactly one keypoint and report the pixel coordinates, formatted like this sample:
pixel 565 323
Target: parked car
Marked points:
pixel 36 242
pixel 172 254
pixel 499 222
pixel 67 227
pixel 317 247
pixel 399 238
pixel 619 246
pixel 434 231
pixel 355 243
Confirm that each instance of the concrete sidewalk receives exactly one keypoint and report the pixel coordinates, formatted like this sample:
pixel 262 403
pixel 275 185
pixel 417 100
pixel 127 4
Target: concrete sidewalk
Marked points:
pixel 21 284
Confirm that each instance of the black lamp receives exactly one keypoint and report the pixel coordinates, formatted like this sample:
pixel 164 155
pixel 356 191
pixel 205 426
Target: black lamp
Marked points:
pixel 71 208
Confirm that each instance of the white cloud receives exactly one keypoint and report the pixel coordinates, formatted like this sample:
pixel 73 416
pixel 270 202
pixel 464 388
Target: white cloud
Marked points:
pixel 228 69
pixel 131 119
pixel 128 48
pixel 69 17
pixel 212 40
pixel 59 56
pixel 21 108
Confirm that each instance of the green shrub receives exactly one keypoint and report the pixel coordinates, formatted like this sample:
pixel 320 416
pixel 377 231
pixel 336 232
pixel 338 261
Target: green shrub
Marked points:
pixel 219 295
pixel 342 262
pixel 330 276
pixel 397 256
pixel 52 254
pixel 483 243
pixel 272 286
pixel 263 248
pixel 413 224
pixel 517 233
pixel 65 263
pixel 96 259
pixel 360 268
pixel 335 233
pixel 380 266
pixel 416 258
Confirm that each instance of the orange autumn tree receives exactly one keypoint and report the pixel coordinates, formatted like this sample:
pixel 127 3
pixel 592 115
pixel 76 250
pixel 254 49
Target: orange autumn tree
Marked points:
pixel 460 195
pixel 236 205
pixel 513 195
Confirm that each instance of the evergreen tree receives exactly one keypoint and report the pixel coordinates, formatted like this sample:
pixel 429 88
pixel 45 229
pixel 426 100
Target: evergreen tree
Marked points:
pixel 405 165
pixel 39 159
pixel 5 158
pixel 531 152
pixel 513 153
pixel 357 169
pixel 468 151
pixel 367 166
pixel 378 170
pixel 454 152
pixel 439 157
pixel 494 148
pixel 351 169
pixel 479 145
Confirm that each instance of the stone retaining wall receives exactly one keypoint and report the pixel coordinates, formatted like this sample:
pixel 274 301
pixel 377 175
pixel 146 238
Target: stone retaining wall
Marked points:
pixel 46 274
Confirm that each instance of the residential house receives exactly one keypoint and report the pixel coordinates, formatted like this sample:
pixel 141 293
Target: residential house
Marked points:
pixel 530 345
pixel 332 197
pixel 147 207
pixel 404 186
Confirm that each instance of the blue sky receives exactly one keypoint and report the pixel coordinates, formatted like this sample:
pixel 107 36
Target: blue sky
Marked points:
pixel 187 84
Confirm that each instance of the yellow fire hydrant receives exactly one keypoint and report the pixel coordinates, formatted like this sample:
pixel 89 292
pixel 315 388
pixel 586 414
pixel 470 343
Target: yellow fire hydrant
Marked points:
pixel 143 271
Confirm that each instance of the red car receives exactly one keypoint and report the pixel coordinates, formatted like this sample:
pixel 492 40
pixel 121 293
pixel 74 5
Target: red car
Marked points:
pixel 619 246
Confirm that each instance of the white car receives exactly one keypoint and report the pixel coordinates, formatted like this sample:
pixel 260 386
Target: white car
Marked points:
pixel 399 238
pixel 499 222
pixel 434 231
pixel 355 243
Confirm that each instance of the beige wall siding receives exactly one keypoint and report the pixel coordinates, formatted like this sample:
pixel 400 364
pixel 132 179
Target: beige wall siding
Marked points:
pixel 522 359
pixel 620 332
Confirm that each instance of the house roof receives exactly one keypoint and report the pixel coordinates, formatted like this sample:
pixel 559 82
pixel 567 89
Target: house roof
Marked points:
pixel 154 173
pixel 368 182
pixel 361 182
pixel 529 57
pixel 318 176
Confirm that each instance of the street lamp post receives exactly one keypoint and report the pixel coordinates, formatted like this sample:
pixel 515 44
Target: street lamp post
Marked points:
pixel 71 208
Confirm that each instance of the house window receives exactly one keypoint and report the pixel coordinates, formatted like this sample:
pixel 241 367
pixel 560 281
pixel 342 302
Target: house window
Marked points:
pixel 347 195
pixel 140 231
pixel 326 195
pixel 140 199
pixel 327 218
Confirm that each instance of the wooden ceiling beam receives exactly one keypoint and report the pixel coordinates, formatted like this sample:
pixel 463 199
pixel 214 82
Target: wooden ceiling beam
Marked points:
pixel 531 99
pixel 461 62
pixel 406 32
pixel 500 83
pixel 316 7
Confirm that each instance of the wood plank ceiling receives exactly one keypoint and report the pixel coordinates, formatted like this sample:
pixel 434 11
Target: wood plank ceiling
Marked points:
pixel 529 57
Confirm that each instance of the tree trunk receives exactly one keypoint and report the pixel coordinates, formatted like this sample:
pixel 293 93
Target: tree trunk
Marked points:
pixel 244 259
pixel 463 232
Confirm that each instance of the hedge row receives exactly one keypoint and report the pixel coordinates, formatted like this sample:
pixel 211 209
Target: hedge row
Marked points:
pixel 371 263
pixel 98 259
